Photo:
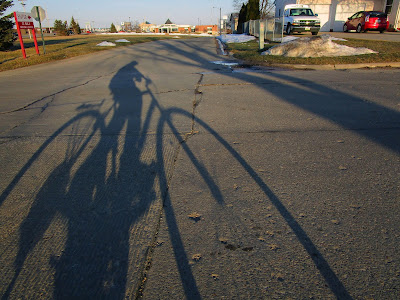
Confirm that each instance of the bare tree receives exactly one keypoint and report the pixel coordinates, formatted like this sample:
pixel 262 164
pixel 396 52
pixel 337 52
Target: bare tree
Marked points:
pixel 266 7
pixel 237 4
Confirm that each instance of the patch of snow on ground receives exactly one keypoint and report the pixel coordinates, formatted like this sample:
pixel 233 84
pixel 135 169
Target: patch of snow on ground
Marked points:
pixel 106 44
pixel 338 39
pixel 225 63
pixel 235 38
pixel 122 41
pixel 152 33
pixel 221 47
pixel 316 46
pixel 286 39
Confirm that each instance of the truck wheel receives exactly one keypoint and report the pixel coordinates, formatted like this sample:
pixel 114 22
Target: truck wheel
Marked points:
pixel 289 28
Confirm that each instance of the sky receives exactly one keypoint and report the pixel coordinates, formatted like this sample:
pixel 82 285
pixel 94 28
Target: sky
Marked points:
pixel 101 13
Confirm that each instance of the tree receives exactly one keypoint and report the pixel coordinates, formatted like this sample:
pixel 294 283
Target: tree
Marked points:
pixel 253 10
pixel 242 17
pixel 61 27
pixel 112 28
pixel 266 7
pixel 75 26
pixel 6 27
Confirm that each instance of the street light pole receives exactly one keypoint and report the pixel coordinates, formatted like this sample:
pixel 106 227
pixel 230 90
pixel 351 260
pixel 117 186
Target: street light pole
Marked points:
pixel 220 18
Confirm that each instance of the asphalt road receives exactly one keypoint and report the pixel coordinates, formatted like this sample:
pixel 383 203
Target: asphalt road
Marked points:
pixel 149 171
pixel 371 35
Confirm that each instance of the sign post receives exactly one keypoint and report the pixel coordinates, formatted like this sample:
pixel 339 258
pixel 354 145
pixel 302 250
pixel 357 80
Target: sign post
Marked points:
pixel 24 21
pixel 39 14
pixel 20 36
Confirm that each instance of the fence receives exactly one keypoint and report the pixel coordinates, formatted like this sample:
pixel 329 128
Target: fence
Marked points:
pixel 273 29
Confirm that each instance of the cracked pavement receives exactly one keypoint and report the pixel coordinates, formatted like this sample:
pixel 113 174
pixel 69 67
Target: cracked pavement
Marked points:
pixel 150 172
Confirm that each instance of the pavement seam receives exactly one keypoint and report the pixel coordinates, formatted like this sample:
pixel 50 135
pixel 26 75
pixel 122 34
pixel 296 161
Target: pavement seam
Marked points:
pixel 52 95
pixel 139 291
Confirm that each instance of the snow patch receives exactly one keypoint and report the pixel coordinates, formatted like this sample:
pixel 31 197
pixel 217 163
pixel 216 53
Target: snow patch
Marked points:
pixel 225 63
pixel 122 41
pixel 290 38
pixel 221 47
pixel 106 44
pixel 316 46
pixel 286 39
pixel 235 38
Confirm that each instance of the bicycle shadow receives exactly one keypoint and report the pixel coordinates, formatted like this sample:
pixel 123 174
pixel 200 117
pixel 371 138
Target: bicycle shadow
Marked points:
pixel 95 259
pixel 100 198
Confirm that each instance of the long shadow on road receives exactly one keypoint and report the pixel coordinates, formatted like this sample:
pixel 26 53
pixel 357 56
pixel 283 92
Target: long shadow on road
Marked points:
pixel 101 201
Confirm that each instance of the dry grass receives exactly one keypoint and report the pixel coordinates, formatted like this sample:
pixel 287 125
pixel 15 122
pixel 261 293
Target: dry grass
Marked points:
pixel 387 52
pixel 62 47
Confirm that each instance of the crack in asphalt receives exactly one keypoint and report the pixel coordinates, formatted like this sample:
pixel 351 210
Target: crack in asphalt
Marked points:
pixel 52 95
pixel 150 250
pixel 47 104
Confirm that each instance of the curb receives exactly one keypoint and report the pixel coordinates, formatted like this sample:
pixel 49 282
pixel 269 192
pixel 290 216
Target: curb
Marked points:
pixel 341 66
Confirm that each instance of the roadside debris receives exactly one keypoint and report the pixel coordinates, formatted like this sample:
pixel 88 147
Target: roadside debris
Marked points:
pixel 195 216
pixel 196 257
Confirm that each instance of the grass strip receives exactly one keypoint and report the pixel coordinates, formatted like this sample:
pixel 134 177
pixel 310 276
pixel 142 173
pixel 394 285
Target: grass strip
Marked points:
pixel 62 47
pixel 249 52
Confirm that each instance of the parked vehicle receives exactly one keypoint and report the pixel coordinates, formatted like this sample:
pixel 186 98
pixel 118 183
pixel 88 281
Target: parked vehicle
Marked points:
pixel 367 20
pixel 300 18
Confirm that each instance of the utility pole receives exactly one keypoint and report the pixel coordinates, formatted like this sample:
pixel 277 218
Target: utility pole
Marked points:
pixel 220 18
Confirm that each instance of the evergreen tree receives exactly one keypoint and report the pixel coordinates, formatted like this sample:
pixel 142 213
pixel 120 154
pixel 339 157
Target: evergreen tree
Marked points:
pixel 61 27
pixel 242 17
pixel 253 10
pixel 112 28
pixel 75 26
pixel 6 27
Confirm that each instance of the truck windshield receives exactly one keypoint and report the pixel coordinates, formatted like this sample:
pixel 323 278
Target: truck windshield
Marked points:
pixel 301 12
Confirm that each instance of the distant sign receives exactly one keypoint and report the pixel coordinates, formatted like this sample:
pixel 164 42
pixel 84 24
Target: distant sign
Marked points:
pixel 24 20
pixel 42 13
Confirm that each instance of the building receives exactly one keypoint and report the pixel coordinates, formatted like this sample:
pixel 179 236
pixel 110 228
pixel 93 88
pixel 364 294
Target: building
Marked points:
pixel 333 13
pixel 233 22
pixel 210 29
pixel 126 26
pixel 147 27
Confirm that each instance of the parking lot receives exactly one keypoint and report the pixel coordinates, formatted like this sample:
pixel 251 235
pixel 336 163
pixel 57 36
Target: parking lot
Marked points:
pixel 371 35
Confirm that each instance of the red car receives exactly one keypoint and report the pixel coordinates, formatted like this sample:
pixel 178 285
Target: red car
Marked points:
pixel 367 20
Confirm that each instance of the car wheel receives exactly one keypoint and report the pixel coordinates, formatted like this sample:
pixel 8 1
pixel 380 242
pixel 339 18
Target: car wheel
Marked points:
pixel 314 33
pixel 289 28
pixel 345 29
pixel 381 31
pixel 359 28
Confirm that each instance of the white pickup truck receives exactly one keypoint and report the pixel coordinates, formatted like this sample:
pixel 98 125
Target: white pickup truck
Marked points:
pixel 300 18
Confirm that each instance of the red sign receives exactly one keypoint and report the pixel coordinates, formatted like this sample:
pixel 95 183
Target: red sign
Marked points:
pixel 25 20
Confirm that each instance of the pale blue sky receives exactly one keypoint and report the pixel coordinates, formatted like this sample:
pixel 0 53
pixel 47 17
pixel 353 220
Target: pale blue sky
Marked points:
pixel 104 12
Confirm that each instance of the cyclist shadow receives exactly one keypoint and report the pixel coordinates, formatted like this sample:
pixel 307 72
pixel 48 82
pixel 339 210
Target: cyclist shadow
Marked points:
pixel 102 197
pixel 100 200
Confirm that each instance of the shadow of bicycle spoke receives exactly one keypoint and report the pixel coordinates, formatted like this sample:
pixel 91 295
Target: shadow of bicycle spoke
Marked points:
pixel 107 192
